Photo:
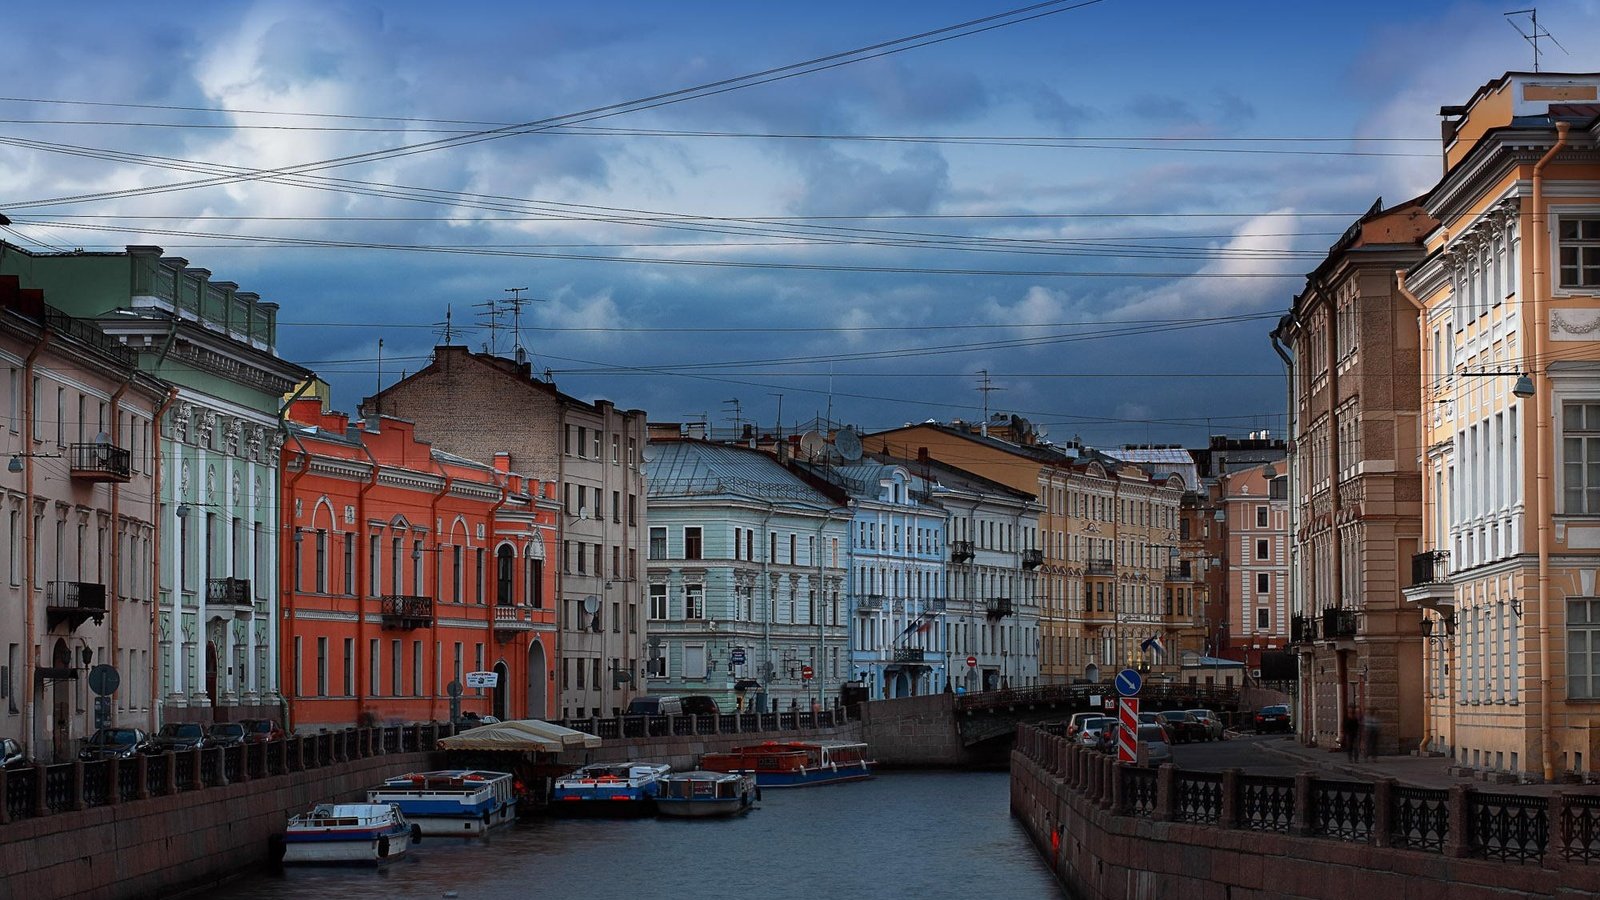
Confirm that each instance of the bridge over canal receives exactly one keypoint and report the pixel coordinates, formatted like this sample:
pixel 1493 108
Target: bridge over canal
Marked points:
pixel 977 730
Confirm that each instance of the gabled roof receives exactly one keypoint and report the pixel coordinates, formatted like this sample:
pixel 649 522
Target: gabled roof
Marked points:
pixel 693 468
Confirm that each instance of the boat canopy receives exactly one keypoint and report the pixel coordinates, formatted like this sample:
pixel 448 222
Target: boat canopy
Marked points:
pixel 520 735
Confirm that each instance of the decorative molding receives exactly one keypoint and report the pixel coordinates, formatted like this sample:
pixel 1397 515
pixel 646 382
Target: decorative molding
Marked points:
pixel 1574 324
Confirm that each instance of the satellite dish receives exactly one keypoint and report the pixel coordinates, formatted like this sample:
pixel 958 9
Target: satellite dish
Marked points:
pixel 102 438
pixel 591 604
pixel 711 625
pixel 848 443
pixel 649 451
pixel 812 444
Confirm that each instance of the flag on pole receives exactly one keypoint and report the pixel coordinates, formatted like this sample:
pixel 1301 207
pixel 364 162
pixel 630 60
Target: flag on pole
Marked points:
pixel 922 622
pixel 1153 644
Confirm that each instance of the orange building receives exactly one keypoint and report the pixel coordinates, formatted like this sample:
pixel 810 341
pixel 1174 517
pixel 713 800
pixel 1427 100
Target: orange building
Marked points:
pixel 404 569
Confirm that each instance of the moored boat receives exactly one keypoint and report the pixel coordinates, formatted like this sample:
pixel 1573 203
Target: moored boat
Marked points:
pixel 609 787
pixel 702 794
pixel 795 763
pixel 348 833
pixel 451 801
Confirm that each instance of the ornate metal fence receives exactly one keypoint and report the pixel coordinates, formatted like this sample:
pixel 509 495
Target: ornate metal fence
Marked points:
pixel 22 786
pixel 1266 803
pixel 1139 789
pixel 1199 797
pixel 1580 827
pixel 1508 826
pixel 1420 818
pixel 96 783
pixel 1342 810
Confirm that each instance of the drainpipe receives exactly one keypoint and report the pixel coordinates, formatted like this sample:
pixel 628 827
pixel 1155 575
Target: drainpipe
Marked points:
pixel 155 556
pixel 116 543
pixel 1544 505
pixel 363 573
pixel 30 547
pixel 767 668
pixel 1429 501
pixel 287 513
pixel 1296 601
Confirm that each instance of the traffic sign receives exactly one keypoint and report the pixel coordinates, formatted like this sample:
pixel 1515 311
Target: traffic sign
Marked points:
pixel 737 657
pixel 972 662
pixel 453 688
pixel 103 679
pixel 1128 729
pixel 1129 682
pixel 805 673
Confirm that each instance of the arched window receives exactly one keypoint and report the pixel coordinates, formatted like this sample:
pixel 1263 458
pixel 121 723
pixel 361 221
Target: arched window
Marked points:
pixel 505 571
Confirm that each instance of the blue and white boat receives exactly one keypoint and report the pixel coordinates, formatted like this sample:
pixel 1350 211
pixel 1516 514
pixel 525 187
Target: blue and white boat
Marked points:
pixel 452 801
pixel 348 833
pixel 704 794
pixel 610 787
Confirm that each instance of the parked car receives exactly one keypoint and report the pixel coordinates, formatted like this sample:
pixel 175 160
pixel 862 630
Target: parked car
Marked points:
pixel 1154 748
pixel 1149 718
pixel 1183 726
pixel 176 736
pixel 701 705
pixel 1209 719
pixel 1272 718
pixel 470 719
pixel 115 743
pixel 11 755
pixel 1075 724
pixel 1090 735
pixel 260 731
pixel 226 734
pixel 655 705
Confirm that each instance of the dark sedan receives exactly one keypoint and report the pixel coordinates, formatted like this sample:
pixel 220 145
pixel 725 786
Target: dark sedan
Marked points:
pixel 226 734
pixel 179 736
pixel 114 743
pixel 1272 718
pixel 260 731
pixel 1183 726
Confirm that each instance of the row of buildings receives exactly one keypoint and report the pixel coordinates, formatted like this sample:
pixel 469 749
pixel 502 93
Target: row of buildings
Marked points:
pixel 1445 479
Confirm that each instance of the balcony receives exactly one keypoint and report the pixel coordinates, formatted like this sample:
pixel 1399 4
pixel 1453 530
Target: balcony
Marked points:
pixel 1032 559
pixel 1338 624
pixel 73 602
pixel 870 603
pixel 1430 580
pixel 937 604
pixel 406 612
pixel 100 462
pixel 233 592
pixel 998 607
pixel 1302 630
pixel 909 654
pixel 961 551
pixel 509 621
pixel 1099 567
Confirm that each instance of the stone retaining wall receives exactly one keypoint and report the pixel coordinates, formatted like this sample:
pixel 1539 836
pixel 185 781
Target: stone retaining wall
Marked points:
pixel 163 845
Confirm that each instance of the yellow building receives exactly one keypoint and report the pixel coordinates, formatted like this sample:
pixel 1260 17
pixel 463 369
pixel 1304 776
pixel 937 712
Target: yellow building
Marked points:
pixel 1108 575
pixel 1511 465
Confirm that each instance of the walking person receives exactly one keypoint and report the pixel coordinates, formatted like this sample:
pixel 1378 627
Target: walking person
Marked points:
pixel 1350 733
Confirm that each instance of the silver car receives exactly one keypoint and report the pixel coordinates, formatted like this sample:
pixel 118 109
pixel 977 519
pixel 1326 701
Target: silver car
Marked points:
pixel 1210 720
pixel 1153 747
pixel 1090 734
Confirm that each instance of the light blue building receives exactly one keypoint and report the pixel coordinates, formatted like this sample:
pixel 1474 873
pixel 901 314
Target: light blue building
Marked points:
pixel 898 556
pixel 746 578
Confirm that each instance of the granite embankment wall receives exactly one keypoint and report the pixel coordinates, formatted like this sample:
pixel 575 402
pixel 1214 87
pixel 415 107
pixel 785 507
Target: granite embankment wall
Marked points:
pixel 916 732
pixel 683 752
pixel 1109 833
pixel 165 844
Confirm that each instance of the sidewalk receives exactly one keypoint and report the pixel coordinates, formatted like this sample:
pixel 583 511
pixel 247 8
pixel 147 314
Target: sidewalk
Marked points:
pixel 1411 771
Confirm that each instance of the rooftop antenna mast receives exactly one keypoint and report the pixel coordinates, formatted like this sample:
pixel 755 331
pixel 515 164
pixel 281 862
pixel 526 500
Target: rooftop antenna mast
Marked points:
pixel 777 430
pixel 515 303
pixel 738 418
pixel 490 318
pixel 1534 32
pixel 985 387
pixel 446 332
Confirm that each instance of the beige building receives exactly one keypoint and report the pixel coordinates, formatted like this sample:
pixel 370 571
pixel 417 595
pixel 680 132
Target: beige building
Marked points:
pixel 478 405
pixel 76 501
pixel 1511 466
pixel 1355 491
pixel 1106 546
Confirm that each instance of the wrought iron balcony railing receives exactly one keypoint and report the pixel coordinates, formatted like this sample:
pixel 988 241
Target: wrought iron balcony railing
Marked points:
pixel 1338 623
pixel 402 611
pixel 1430 567
pixel 100 462
pixel 909 654
pixel 961 551
pixel 229 592
pixel 1302 630
pixel 1032 559
pixel 870 602
pixel 1100 567
pixel 998 607
pixel 73 603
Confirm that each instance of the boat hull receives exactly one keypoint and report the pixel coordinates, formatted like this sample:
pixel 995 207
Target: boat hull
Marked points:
pixel 809 779
pixel 702 809
pixel 460 824
pixel 321 848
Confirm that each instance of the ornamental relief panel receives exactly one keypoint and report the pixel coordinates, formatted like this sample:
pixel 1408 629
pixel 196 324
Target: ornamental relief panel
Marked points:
pixel 1574 325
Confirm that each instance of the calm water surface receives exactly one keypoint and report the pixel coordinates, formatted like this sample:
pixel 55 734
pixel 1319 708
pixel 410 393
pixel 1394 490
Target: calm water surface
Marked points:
pixel 903 834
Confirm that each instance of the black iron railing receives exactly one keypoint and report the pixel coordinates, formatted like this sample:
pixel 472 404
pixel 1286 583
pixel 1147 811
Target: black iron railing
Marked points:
pixel 1032 559
pixel 1430 567
pixel 961 551
pixel 228 592
pixel 100 462
pixel 1199 797
pixel 74 602
pixel 909 654
pixel 1342 810
pixel 1100 567
pixel 1508 827
pixel 1338 623
pixel 404 611
pixel 1265 804
pixel 998 607
pixel 1420 818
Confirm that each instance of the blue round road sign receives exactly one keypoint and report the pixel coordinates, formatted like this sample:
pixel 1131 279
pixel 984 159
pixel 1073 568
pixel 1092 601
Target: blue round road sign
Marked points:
pixel 1129 682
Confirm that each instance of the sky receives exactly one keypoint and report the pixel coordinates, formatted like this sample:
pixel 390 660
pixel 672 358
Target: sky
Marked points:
pixel 1104 206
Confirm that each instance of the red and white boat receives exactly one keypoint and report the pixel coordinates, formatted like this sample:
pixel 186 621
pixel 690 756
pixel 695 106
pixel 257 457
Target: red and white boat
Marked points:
pixel 795 763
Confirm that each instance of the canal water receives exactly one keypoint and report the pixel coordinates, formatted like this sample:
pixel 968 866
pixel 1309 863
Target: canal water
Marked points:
pixel 925 835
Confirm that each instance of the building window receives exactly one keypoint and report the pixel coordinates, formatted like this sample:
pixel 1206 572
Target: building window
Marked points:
pixel 658 542
pixel 1580 457
pixel 1261 517
pixel 658 602
pixel 1263 583
pixel 1263 549
pixel 694 601
pixel 1583 649
pixel 1579 240
pixel 322 667
pixel 1263 619
pixel 694 661
pixel 692 548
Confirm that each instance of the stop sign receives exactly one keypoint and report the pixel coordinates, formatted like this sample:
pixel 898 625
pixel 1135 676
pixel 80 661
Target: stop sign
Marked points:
pixel 972 662
pixel 806 673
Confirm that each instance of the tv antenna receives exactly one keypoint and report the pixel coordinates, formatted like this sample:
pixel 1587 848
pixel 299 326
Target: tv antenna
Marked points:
pixel 445 331
pixel 491 318
pixel 497 309
pixel 738 419
pixel 1533 33
pixel 985 387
